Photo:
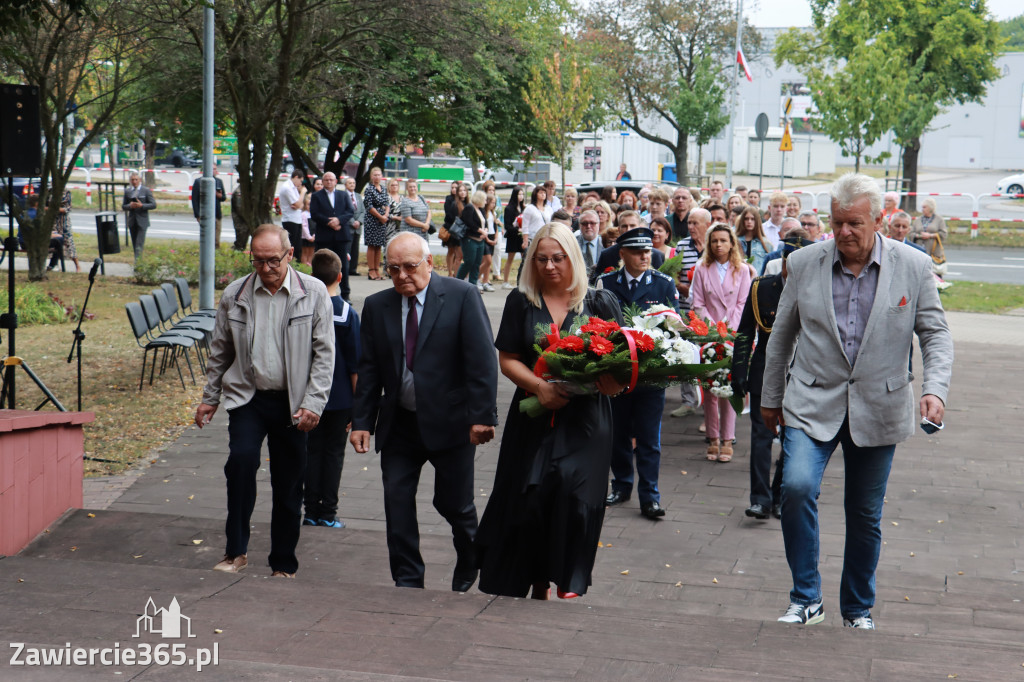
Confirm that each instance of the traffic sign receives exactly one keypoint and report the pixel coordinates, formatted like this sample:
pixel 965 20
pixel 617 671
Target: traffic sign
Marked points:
pixel 787 141
pixel 789 106
pixel 761 126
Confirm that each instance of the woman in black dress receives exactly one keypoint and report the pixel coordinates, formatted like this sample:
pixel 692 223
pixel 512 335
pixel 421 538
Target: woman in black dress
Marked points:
pixel 454 205
pixel 543 520
pixel 513 237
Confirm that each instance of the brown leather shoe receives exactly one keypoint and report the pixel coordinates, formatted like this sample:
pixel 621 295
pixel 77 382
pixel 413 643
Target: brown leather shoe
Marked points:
pixel 281 574
pixel 232 564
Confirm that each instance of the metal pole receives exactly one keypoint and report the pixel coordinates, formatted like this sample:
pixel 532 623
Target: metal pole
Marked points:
pixel 207 187
pixel 732 95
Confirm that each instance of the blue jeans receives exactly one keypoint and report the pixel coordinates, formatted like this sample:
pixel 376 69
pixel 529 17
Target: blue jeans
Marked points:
pixel 867 472
pixel 472 254
pixel 637 415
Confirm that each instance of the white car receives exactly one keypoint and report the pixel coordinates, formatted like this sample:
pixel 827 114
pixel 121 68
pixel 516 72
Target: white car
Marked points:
pixel 1012 184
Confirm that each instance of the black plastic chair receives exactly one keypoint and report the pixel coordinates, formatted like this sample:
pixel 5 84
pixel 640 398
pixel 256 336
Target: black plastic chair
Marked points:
pixel 170 305
pixel 185 298
pixel 165 342
pixel 154 319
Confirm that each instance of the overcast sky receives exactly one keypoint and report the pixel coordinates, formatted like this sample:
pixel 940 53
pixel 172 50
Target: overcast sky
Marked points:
pixel 771 13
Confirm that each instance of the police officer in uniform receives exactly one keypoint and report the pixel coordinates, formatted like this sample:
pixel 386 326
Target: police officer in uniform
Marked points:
pixel 747 375
pixel 638 414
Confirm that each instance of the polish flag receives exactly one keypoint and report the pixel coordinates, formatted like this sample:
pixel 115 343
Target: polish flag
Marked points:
pixel 742 61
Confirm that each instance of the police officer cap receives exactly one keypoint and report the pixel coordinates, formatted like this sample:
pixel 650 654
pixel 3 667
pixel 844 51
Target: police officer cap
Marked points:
pixel 637 238
pixel 791 244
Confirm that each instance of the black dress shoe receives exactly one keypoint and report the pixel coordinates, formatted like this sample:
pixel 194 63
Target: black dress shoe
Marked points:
pixel 757 511
pixel 462 581
pixel 777 510
pixel 615 497
pixel 652 510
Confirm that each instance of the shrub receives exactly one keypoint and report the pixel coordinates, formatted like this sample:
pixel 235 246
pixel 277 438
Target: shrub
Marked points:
pixel 33 306
pixel 160 263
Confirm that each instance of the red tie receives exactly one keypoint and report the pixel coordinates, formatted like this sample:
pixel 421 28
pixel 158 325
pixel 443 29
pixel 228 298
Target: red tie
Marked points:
pixel 412 333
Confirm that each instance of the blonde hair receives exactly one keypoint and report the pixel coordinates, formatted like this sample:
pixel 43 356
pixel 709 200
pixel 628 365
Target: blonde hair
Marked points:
pixel 735 255
pixel 479 199
pixel 528 283
pixel 610 213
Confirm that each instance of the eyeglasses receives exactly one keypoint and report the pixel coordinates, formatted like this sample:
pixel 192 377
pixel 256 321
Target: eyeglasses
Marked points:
pixel 810 224
pixel 588 223
pixel 409 268
pixel 272 263
pixel 557 259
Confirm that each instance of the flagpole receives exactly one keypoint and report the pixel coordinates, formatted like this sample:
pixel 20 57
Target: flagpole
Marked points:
pixel 732 95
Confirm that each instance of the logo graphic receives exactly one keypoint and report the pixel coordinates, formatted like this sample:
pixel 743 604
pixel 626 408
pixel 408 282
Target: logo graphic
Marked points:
pixel 164 622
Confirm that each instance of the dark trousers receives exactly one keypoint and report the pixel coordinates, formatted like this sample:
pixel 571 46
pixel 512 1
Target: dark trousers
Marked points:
pixel 761 460
pixel 342 249
pixel 400 463
pixel 353 263
pixel 266 416
pixel 294 231
pixel 138 235
pixel 57 246
pixel 637 415
pixel 325 456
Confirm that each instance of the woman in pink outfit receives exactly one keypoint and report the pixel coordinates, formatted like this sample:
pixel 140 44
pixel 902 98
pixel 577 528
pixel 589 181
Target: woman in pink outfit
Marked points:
pixel 720 286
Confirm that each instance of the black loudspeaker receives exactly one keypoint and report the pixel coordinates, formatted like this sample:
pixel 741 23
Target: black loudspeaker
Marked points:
pixel 21 146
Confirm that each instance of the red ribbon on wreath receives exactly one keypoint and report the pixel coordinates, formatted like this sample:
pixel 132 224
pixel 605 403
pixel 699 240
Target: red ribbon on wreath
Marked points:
pixel 633 359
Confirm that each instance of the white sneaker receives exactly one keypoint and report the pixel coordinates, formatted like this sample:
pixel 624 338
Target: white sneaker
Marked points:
pixel 508 285
pixel 801 614
pixel 683 411
pixel 488 287
pixel 479 286
pixel 863 623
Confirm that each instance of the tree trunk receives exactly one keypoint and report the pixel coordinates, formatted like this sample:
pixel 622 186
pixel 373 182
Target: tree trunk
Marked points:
pixel 149 144
pixel 910 155
pixel 682 176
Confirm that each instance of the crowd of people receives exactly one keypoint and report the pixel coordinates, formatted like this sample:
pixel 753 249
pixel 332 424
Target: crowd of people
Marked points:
pixel 416 371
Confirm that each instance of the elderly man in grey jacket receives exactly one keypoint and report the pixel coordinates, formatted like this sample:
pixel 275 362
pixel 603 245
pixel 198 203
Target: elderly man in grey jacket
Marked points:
pixel 854 303
pixel 271 364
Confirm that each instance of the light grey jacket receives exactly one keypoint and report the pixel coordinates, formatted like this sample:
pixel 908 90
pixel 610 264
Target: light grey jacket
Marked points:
pixel 876 392
pixel 308 345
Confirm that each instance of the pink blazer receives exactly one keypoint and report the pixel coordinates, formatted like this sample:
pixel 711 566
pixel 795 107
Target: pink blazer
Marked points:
pixel 720 300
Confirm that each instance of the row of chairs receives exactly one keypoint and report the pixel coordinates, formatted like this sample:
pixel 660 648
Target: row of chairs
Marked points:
pixel 170 331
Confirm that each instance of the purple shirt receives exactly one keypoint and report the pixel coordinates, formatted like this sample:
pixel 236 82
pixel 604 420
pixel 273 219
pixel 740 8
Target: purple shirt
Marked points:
pixel 853 296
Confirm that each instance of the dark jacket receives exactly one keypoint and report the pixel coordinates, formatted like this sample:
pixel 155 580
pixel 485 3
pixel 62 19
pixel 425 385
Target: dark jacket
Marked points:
pixel 758 318
pixel 456 376
pixel 609 258
pixel 451 211
pixel 219 196
pixel 320 211
pixel 475 230
pixel 346 354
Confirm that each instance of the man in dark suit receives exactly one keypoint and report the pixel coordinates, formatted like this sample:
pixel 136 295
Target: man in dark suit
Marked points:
pixel 357 223
pixel 637 415
pixel 219 197
pixel 138 202
pixel 427 346
pixel 590 243
pixel 332 211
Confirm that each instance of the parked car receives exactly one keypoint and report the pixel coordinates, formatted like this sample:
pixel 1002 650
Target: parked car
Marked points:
pixel 1011 184
pixel 633 186
pixel 23 187
pixel 178 157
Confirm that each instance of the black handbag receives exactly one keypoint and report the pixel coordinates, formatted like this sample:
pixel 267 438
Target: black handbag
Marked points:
pixel 458 229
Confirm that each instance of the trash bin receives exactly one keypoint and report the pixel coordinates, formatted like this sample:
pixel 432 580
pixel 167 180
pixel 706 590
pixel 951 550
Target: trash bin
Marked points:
pixel 106 233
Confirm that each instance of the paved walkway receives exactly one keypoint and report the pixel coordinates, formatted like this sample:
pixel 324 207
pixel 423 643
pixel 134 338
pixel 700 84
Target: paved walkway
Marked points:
pixel 692 597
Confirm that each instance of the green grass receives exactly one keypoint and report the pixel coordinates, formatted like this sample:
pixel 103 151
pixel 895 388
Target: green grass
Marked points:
pixel 1001 235
pixel 983 297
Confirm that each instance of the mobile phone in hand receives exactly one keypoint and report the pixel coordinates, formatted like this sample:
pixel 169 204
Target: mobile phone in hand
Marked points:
pixel 930 427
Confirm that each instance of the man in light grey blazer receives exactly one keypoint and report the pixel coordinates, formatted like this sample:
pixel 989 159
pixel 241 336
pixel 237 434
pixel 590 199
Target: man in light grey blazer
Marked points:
pixel 844 329
pixel 138 202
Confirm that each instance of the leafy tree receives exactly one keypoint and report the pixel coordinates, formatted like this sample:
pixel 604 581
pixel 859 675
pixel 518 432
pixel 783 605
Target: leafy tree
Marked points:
pixel 82 57
pixel 654 50
pixel 911 58
pixel 559 94
pixel 1012 31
